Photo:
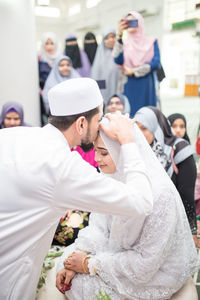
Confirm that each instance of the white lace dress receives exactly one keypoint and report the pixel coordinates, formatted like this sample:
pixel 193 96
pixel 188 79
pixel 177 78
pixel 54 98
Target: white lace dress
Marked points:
pixel 137 259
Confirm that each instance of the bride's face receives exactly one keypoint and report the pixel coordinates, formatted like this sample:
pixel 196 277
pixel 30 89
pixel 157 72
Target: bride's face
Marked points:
pixel 103 158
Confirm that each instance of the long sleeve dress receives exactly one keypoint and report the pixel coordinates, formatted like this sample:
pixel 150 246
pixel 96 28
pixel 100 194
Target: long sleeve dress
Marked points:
pixel 136 258
pixel 185 185
pixel 140 90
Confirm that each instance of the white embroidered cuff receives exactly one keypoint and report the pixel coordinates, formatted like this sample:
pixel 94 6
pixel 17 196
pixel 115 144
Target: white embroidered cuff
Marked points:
pixel 92 266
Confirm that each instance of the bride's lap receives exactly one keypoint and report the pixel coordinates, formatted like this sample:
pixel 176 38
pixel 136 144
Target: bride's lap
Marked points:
pixel 86 287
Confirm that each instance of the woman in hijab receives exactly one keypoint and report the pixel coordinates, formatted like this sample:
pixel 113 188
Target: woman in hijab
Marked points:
pixel 104 67
pixel 179 126
pixel 118 102
pixel 48 54
pixel 131 257
pixel 139 57
pixel 12 115
pixel 61 71
pixel 175 154
pixel 90 46
pixel 78 57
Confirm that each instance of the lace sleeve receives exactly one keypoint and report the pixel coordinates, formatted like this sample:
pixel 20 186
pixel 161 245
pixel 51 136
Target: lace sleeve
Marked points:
pixel 141 264
pixel 90 238
pixel 94 236
pixel 142 70
pixel 117 50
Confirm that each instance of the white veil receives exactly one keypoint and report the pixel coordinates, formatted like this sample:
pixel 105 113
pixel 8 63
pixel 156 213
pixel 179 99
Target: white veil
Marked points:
pixel 167 224
pixel 155 254
pixel 157 175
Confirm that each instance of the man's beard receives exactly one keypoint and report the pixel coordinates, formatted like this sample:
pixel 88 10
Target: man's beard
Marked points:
pixel 86 147
pixel 86 144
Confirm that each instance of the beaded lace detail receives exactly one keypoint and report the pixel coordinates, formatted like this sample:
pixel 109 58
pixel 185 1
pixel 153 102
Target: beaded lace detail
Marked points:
pixel 153 265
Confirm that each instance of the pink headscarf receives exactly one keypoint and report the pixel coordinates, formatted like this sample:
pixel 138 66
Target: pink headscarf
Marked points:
pixel 138 48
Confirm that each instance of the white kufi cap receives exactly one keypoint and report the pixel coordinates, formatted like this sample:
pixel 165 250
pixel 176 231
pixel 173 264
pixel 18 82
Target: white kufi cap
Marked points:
pixel 74 96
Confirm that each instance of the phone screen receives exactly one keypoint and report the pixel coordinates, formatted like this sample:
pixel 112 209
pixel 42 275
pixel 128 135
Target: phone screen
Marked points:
pixel 132 23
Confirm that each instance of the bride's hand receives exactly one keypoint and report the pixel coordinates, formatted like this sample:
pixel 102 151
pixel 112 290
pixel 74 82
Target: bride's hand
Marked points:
pixel 75 262
pixel 63 280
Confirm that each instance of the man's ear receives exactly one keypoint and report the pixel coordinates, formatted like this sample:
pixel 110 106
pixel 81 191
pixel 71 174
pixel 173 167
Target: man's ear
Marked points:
pixel 81 125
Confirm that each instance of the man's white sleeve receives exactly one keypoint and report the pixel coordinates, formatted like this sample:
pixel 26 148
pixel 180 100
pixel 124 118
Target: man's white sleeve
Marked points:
pixel 82 187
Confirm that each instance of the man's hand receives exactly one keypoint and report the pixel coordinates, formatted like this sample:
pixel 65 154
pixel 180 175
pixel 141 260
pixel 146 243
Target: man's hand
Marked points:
pixel 120 128
pixel 74 262
pixel 63 280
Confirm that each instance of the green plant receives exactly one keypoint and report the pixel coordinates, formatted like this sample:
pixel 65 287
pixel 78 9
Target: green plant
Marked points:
pixel 47 264
pixel 102 296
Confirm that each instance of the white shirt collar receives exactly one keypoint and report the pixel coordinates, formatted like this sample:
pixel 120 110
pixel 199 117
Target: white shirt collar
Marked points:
pixel 55 132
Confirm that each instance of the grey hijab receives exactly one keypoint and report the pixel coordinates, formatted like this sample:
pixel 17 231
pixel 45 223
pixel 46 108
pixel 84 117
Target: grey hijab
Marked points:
pixel 55 77
pixel 124 100
pixel 104 68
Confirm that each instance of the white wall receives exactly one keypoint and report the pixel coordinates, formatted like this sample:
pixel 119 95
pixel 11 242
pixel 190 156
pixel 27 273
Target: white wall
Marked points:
pixel 21 32
pixel 19 75
pixel 105 15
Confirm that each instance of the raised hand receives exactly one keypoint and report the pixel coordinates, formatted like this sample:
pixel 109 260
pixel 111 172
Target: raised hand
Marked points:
pixel 119 128
pixel 122 25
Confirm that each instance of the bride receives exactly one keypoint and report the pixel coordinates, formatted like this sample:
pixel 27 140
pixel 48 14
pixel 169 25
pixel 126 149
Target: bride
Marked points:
pixel 131 257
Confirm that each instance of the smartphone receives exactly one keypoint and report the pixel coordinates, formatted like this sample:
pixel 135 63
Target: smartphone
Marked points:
pixel 132 23
pixel 101 84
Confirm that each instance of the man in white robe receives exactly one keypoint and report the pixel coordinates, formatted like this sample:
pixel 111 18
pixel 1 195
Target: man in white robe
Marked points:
pixel 40 178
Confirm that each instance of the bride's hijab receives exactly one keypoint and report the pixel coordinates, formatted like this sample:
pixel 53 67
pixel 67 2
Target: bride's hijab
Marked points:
pixel 157 175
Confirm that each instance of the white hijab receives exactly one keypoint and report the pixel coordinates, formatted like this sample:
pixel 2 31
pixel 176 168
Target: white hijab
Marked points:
pixel 157 175
pixel 45 56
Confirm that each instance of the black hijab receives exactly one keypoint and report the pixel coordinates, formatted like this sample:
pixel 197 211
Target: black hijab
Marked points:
pixel 73 52
pixel 176 116
pixel 90 47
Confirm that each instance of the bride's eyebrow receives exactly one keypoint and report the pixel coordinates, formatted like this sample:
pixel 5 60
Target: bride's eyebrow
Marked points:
pixel 101 148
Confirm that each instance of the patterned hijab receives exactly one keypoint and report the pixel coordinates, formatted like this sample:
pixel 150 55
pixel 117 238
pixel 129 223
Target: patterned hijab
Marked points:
pixel 14 107
pixel 176 116
pixel 168 148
